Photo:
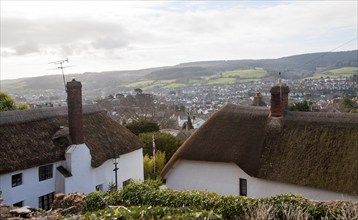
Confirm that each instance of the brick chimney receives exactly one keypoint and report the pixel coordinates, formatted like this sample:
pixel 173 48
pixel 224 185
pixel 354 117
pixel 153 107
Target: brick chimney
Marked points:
pixel 257 99
pixel 279 99
pixel 74 102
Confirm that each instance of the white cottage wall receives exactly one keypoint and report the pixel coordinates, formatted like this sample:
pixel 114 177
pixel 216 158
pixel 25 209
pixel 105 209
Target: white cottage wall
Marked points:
pixel 60 179
pixel 78 160
pixel 223 178
pixel 30 189
pixel 130 166
pixel 85 178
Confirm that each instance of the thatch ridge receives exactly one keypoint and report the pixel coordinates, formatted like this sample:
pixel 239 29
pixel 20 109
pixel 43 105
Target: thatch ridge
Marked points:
pixel 32 143
pixel 29 115
pixel 309 149
pixel 322 118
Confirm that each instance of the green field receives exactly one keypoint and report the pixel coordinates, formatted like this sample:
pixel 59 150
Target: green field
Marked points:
pixel 346 71
pixel 226 80
pixel 227 77
pixel 197 81
pixel 140 84
pixel 247 80
pixel 207 78
pixel 149 84
pixel 336 73
pixel 175 85
pixel 255 73
pixel 161 83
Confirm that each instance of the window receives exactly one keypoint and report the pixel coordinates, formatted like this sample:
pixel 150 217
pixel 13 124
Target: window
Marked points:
pixel 45 201
pixel 19 204
pixel 45 172
pixel 243 187
pixel 16 180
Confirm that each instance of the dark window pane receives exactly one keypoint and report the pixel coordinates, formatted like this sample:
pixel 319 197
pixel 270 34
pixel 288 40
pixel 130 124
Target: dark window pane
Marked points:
pixel 45 172
pixel 243 187
pixel 18 204
pixel 16 180
pixel 45 201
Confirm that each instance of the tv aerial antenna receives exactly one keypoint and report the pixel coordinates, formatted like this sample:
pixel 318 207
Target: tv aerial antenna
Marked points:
pixel 60 62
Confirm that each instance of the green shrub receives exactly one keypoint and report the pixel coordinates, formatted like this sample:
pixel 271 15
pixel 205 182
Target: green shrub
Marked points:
pixel 114 198
pixel 149 212
pixel 166 143
pixel 95 201
pixel 148 162
pixel 134 192
pixel 155 203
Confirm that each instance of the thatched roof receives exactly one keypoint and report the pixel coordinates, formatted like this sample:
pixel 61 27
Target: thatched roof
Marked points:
pixel 31 138
pixel 311 149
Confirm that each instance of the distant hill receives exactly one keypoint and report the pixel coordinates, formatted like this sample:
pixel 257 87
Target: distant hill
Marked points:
pixel 184 74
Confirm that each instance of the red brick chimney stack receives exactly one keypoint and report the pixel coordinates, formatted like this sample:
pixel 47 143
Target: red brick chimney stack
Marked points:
pixel 74 102
pixel 279 99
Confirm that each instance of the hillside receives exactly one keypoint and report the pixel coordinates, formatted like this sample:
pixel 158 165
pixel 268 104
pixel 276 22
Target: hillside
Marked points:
pixel 195 73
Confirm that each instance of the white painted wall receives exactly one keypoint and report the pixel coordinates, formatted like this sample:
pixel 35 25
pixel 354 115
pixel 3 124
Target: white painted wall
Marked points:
pixel 223 178
pixel 60 179
pixel 85 178
pixel 31 188
pixel 130 166
pixel 78 159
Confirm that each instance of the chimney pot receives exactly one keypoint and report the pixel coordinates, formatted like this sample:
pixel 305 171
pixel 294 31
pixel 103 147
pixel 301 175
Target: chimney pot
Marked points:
pixel 279 99
pixel 257 99
pixel 74 102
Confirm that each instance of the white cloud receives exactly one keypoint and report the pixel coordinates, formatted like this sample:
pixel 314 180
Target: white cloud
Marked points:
pixel 26 47
pixel 155 33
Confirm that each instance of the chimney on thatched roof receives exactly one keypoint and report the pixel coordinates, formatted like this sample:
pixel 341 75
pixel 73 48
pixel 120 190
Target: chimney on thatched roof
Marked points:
pixel 279 99
pixel 74 102
pixel 257 99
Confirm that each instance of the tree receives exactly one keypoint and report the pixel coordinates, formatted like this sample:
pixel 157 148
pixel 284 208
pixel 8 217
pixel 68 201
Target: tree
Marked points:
pixel 110 97
pixel 188 124
pixel 139 106
pixel 138 91
pixel 142 126
pixel 300 106
pixel 347 105
pixel 164 142
pixel 148 162
pixel 7 103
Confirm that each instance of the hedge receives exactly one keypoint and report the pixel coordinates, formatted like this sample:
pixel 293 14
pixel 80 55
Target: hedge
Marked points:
pixel 286 206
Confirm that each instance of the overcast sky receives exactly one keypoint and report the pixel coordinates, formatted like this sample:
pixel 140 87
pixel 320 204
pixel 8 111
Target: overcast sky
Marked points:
pixel 122 35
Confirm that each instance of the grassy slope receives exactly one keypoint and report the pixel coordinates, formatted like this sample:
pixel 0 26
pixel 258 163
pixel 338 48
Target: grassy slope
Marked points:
pixel 224 80
pixel 227 77
pixel 175 85
pixel 149 84
pixel 336 73
pixel 140 84
pixel 255 73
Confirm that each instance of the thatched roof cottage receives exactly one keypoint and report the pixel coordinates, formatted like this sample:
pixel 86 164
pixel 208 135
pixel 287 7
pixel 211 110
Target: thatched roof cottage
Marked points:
pixel 260 152
pixel 51 150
